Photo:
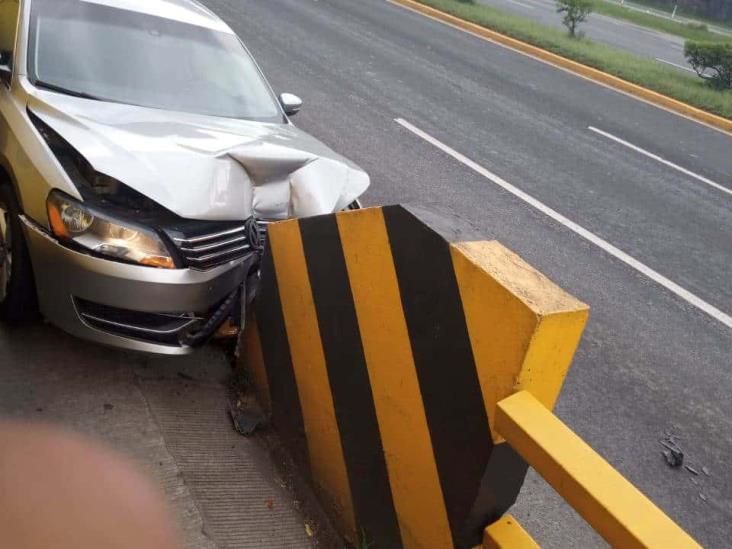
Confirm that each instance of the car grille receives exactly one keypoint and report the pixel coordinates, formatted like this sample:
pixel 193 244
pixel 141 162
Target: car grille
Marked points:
pixel 209 250
pixel 208 245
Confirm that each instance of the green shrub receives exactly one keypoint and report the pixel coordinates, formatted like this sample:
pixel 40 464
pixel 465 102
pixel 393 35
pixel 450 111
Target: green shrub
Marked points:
pixel 708 57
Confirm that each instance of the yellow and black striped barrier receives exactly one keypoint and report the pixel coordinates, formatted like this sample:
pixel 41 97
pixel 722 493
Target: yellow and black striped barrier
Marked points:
pixel 412 375
pixel 382 351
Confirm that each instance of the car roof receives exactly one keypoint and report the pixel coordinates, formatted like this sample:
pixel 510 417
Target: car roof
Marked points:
pixel 186 11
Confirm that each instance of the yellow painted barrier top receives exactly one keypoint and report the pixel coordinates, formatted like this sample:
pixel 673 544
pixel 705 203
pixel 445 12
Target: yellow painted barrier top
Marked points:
pixel 617 510
pixel 507 533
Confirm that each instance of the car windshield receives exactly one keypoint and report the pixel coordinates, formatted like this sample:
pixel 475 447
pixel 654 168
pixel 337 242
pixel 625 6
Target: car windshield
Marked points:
pixel 96 51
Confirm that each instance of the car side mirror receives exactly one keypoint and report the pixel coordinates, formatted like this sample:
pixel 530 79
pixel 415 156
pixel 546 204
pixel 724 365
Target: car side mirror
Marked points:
pixel 291 104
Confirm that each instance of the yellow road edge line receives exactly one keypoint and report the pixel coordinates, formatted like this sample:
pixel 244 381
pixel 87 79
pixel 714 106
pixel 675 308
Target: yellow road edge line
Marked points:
pixel 595 75
pixel 507 533
pixel 615 508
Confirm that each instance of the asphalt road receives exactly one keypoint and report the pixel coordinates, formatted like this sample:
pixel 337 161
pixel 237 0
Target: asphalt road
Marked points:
pixel 642 41
pixel 650 361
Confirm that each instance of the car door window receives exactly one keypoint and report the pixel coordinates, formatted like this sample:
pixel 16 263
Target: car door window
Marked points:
pixel 9 10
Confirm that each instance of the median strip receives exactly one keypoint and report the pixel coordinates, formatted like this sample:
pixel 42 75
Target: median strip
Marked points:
pixel 688 90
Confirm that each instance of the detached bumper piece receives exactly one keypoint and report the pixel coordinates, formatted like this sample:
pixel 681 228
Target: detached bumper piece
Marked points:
pixel 176 330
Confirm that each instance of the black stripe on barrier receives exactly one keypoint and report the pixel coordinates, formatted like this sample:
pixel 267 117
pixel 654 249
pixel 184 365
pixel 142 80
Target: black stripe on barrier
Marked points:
pixel 349 380
pixel 444 360
pixel 501 484
pixel 286 410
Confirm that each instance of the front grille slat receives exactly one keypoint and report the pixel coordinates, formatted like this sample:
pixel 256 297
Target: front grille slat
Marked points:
pixel 214 246
pixel 213 236
pixel 206 245
pixel 219 255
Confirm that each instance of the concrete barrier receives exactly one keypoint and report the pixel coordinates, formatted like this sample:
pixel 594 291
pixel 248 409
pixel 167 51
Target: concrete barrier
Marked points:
pixel 382 348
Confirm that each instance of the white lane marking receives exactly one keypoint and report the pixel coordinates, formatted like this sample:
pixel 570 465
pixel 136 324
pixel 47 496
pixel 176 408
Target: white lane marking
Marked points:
pixel 662 160
pixel 683 293
pixel 676 65
pixel 521 4
pixel 559 67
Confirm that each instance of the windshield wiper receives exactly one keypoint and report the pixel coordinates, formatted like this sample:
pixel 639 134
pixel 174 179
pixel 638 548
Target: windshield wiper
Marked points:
pixel 65 91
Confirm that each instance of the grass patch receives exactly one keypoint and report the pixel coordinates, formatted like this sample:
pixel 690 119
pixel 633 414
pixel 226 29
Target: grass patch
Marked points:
pixel 644 72
pixel 689 32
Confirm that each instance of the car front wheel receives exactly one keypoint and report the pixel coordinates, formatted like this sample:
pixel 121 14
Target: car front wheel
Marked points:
pixel 17 289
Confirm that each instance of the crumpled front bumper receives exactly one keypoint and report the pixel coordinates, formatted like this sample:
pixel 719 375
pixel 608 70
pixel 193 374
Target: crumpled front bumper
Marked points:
pixel 127 306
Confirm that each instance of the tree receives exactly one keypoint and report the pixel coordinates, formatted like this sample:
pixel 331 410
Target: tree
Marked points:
pixel 712 57
pixel 575 12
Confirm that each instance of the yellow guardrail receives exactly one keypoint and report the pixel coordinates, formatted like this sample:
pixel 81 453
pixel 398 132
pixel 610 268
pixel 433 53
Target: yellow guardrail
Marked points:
pixel 615 508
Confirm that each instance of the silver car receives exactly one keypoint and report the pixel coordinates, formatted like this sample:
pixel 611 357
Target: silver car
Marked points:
pixel 142 154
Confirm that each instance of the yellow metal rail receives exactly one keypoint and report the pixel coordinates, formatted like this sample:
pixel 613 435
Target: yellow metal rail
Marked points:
pixel 507 533
pixel 615 508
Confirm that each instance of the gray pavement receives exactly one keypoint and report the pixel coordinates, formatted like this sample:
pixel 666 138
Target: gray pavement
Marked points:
pixel 649 361
pixel 644 42
pixel 170 416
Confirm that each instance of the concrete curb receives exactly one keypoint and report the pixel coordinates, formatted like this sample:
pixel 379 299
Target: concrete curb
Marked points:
pixel 639 92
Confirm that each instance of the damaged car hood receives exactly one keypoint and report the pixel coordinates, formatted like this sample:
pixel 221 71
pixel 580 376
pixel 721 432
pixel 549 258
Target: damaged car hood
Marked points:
pixel 204 167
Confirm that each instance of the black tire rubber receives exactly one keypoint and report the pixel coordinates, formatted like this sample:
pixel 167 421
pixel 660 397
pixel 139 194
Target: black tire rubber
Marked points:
pixel 21 302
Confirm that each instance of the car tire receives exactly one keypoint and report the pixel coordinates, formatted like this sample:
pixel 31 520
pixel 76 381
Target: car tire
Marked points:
pixel 18 299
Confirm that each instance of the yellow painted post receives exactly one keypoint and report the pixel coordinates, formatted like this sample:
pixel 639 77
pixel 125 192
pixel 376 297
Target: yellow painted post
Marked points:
pixel 524 329
pixel 615 508
pixel 507 533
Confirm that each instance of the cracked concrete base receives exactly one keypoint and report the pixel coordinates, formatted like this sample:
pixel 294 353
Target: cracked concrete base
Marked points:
pixel 169 415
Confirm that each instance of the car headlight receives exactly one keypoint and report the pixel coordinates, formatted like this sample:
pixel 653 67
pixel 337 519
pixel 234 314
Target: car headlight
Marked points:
pixel 73 221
